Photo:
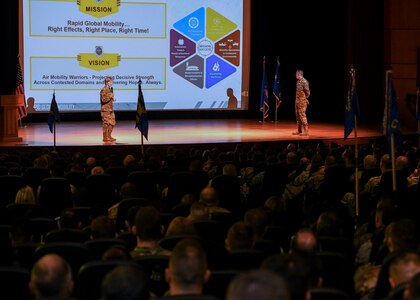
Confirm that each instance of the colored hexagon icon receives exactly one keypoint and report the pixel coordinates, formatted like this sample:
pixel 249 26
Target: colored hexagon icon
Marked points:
pixel 217 25
pixel 192 25
pixel 217 70
pixel 192 70
pixel 181 48
pixel 229 48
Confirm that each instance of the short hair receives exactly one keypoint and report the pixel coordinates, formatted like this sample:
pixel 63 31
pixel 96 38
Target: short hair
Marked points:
pixel 404 267
pixel 148 223
pixel 97 170
pixel 209 196
pixel 69 219
pixel 240 236
pixel 51 276
pixel 304 241
pixel 107 79
pixel 199 212
pixel 257 284
pixel 300 271
pixel 180 226
pixel 258 219
pixel 116 253
pixel 188 263
pixel 125 283
pixel 365 278
pixel 102 227
pixel 300 72
pixel 128 190
pixel 414 286
pixel 402 235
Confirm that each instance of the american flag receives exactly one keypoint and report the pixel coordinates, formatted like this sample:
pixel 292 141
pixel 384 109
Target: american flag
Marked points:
pixel 20 91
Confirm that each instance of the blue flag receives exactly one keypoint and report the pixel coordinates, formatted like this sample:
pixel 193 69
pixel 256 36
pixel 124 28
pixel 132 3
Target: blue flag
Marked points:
pixel 142 122
pixel 352 105
pixel 264 107
pixel 276 86
pixel 54 114
pixel 390 121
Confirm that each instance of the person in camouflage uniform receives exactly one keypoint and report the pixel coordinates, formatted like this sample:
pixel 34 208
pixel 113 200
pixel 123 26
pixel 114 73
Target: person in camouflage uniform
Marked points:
pixel 107 110
pixel 301 103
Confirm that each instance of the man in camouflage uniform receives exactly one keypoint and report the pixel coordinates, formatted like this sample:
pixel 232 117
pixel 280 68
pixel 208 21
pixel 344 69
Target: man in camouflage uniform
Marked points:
pixel 301 103
pixel 107 110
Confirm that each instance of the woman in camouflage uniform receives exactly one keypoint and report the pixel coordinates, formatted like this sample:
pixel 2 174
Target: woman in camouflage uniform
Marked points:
pixel 301 103
pixel 107 110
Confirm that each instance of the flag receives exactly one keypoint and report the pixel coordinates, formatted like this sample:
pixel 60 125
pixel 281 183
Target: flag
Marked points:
pixel 276 86
pixel 264 107
pixel 54 115
pixel 390 121
pixel 352 104
pixel 142 122
pixel 19 90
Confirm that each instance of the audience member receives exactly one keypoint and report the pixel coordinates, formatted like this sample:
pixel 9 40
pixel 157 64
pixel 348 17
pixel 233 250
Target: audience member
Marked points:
pixel 25 195
pixel 187 271
pixel 68 219
pixel 300 271
pixel 149 230
pixel 400 236
pixel 102 227
pixel 128 190
pixel 51 276
pixel 116 253
pixel 125 283
pixel 198 212
pixel 304 241
pixel 403 268
pixel 257 284
pixel 240 236
pixel 365 278
pixel 413 289
pixel 180 226
pixel 209 197
pixel 258 219
pixel 97 170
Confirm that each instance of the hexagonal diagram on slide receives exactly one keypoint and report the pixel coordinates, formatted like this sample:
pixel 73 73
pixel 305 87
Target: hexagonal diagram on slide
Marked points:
pixel 204 47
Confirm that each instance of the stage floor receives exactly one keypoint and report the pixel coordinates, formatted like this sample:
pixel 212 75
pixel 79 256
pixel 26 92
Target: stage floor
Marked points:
pixel 168 132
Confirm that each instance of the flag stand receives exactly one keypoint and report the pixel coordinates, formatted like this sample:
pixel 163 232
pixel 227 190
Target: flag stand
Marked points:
pixel 54 128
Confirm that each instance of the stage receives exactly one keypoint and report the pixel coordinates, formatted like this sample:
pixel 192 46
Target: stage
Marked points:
pixel 184 132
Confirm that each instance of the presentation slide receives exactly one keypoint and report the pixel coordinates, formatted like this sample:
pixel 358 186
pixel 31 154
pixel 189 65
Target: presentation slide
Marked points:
pixel 188 54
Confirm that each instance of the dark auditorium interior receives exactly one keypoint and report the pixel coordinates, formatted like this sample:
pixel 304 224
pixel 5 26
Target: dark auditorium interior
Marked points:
pixel 215 195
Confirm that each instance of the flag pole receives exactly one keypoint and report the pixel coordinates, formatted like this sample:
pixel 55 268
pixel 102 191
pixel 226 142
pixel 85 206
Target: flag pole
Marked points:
pixel 417 114
pixel 142 145
pixel 54 134
pixel 394 174
pixel 275 114
pixel 394 177
pixel 356 157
